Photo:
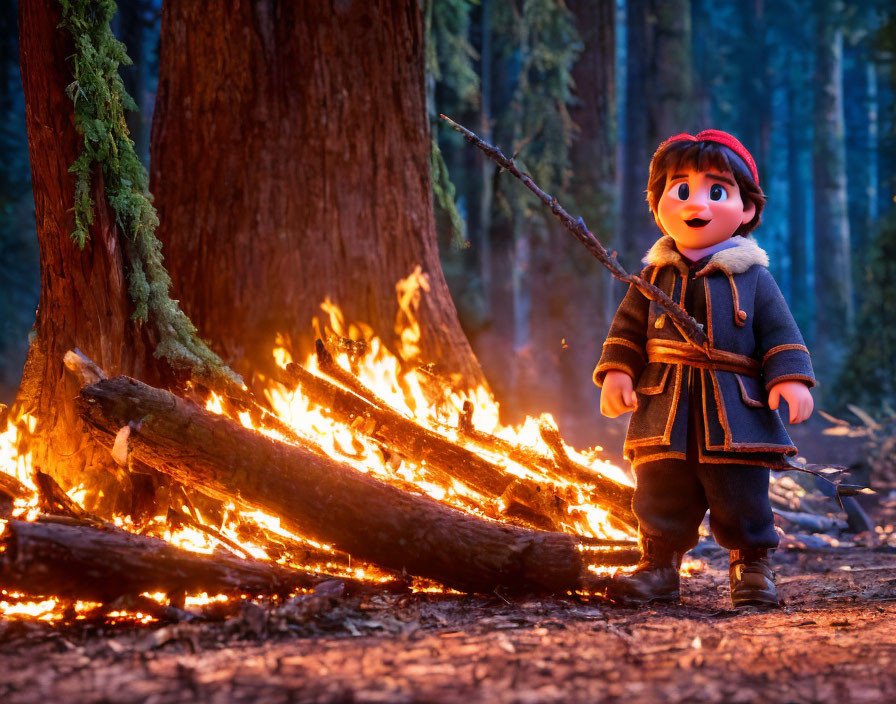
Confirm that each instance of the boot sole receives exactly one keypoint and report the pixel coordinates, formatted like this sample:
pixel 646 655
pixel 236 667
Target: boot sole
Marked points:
pixel 672 598
pixel 756 602
pixel 755 599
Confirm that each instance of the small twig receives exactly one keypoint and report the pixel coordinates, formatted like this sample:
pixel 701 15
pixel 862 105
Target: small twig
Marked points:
pixel 177 517
pixel 331 368
pixel 54 500
pixel 689 328
pixel 88 370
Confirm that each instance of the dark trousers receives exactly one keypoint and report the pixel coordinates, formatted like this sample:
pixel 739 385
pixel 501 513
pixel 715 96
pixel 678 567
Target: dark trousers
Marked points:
pixel 672 497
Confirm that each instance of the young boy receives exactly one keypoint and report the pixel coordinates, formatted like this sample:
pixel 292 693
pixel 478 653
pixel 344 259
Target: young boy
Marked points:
pixel 705 427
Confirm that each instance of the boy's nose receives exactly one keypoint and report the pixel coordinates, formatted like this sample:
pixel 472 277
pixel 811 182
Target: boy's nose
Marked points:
pixel 696 208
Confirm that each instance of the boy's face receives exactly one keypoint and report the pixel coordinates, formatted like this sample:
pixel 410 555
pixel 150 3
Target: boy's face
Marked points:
pixel 699 209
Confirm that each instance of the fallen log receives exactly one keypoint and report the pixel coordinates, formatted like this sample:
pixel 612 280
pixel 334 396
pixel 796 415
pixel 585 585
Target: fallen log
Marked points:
pixel 71 560
pixel 328 501
pixel 422 445
pixel 406 436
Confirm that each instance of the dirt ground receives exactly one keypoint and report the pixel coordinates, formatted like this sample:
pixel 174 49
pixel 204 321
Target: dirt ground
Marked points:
pixel 833 641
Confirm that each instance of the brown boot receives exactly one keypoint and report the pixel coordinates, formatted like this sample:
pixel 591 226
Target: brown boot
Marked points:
pixel 751 578
pixel 654 579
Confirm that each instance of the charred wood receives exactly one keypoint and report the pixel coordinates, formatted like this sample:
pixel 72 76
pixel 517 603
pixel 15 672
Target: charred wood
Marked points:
pixel 71 560
pixel 613 495
pixel 538 505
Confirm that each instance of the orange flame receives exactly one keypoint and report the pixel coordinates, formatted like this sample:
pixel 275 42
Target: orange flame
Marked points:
pixel 409 391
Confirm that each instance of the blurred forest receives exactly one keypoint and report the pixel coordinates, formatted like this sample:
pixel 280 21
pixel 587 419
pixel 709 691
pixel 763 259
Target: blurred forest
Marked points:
pixel 582 92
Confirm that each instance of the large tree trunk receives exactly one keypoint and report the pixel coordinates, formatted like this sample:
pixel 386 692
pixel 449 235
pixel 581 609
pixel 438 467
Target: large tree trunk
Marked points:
pixel 311 181
pixel 833 273
pixel 84 300
pixel 327 501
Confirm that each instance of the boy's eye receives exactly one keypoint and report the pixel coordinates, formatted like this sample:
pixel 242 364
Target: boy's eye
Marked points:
pixel 683 191
pixel 717 192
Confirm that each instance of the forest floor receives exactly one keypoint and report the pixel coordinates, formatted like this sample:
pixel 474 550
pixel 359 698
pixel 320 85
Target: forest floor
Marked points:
pixel 834 640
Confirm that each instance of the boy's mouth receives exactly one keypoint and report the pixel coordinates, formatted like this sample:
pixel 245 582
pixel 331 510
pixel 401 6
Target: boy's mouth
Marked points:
pixel 696 222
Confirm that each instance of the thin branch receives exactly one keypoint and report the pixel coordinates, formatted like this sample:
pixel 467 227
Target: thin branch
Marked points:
pixel 689 328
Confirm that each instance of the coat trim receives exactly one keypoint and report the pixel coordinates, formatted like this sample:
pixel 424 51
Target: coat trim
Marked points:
pixel 734 260
pixel 783 348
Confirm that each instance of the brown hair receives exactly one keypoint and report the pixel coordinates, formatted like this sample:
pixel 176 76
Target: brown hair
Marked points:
pixel 702 156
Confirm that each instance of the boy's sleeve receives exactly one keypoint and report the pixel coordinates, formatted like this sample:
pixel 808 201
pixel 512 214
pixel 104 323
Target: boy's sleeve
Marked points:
pixel 624 347
pixel 780 345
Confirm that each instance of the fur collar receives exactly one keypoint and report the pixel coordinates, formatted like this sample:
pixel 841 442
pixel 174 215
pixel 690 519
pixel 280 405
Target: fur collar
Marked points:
pixel 734 260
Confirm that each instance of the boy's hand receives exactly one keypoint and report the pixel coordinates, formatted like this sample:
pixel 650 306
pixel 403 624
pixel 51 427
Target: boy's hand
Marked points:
pixel 797 395
pixel 617 395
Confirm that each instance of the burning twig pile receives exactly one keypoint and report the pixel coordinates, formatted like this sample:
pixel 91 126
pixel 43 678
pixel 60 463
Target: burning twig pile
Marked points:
pixel 372 488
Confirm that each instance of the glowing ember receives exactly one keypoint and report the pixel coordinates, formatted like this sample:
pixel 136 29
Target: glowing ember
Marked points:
pixel 690 566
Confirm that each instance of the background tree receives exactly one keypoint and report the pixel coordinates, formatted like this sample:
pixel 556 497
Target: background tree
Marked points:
pixel 869 379
pixel 19 278
pixel 660 100
pixel 834 309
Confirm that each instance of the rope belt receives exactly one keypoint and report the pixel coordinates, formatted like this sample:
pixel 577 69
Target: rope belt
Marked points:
pixel 677 352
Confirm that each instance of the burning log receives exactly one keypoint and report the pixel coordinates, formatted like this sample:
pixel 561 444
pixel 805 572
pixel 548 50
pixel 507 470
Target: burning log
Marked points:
pixel 411 440
pixel 616 496
pixel 13 488
pixel 328 501
pixel 71 560
pixel 532 502
pixel 611 494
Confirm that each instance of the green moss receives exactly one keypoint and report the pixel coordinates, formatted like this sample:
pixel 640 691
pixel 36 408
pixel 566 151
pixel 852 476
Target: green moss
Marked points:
pixel 100 101
pixel 444 197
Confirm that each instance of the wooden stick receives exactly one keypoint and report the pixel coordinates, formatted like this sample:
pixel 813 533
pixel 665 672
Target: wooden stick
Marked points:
pixel 526 499
pixel 617 497
pixel 689 328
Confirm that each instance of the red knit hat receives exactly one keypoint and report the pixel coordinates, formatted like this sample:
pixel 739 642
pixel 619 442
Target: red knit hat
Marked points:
pixel 728 140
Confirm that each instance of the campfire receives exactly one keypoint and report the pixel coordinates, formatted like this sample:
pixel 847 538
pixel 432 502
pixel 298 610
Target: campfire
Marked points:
pixel 358 465
pixel 357 470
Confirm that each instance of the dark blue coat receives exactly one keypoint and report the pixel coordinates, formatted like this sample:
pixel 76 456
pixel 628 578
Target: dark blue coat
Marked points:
pixel 742 310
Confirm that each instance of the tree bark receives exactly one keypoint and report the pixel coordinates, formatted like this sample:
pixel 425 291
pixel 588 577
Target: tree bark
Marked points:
pixel 327 501
pixel 311 181
pixel 84 300
pixel 103 563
